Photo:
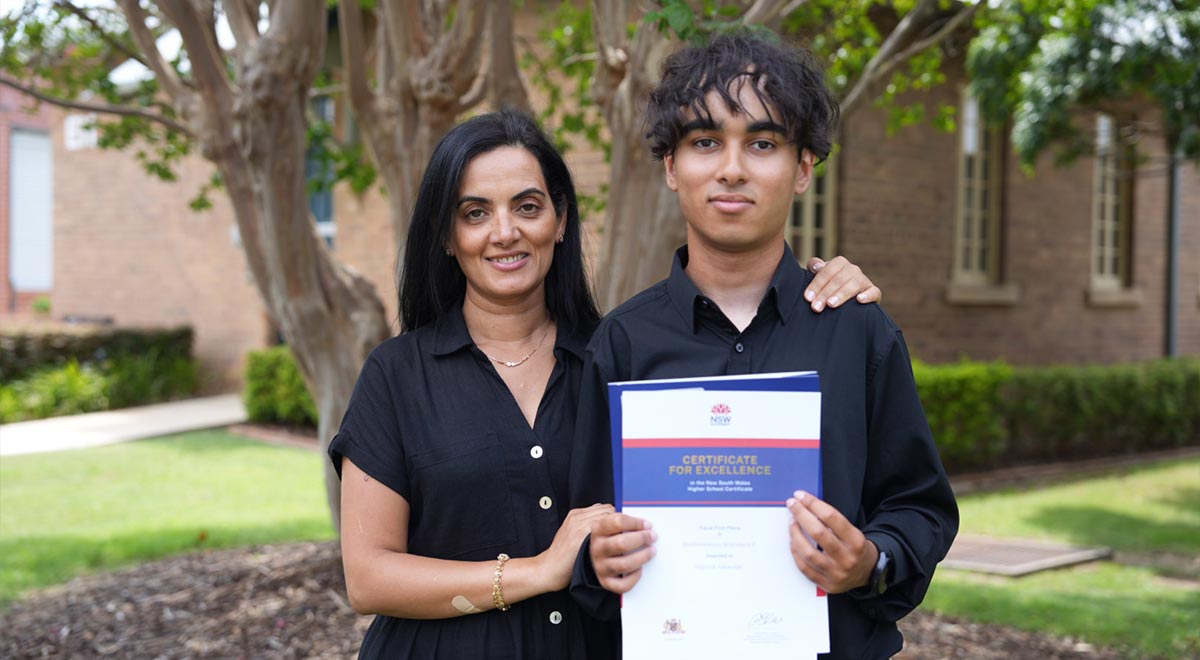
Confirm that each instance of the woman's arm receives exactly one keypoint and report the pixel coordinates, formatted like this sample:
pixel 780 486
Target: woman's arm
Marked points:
pixel 382 577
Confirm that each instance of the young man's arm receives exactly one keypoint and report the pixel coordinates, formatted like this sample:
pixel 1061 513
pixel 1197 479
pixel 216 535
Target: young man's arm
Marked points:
pixel 911 511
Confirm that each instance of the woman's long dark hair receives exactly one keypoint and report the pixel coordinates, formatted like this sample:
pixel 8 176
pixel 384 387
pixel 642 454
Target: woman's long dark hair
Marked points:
pixel 431 281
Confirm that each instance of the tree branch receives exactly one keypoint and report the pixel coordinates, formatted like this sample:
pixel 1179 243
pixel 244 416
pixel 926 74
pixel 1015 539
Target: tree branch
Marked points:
pixel 168 79
pixel 937 37
pixel 762 11
pixel 94 107
pixel 103 34
pixel 207 58
pixel 792 6
pixel 507 87
pixel 902 35
pixel 354 61
pixel 459 49
pixel 242 23
pixel 612 47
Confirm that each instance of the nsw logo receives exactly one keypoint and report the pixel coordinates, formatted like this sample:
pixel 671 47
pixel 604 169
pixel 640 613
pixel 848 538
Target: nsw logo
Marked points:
pixel 722 415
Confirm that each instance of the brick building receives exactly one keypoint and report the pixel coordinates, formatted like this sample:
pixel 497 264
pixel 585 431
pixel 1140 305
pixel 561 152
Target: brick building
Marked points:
pixel 976 258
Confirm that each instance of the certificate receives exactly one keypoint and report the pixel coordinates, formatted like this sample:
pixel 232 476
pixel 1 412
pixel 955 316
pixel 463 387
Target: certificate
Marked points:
pixel 710 463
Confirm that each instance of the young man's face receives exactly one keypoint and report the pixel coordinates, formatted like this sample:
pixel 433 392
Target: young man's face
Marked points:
pixel 736 176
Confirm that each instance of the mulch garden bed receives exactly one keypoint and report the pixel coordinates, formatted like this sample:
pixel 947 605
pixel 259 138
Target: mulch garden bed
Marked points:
pixel 289 601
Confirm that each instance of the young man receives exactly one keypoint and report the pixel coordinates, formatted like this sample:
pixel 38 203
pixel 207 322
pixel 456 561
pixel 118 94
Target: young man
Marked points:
pixel 739 125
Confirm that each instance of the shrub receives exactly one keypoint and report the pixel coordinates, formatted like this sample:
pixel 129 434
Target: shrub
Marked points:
pixel 987 415
pixel 26 350
pixel 275 390
pixel 118 382
pixel 1063 412
pixel 963 404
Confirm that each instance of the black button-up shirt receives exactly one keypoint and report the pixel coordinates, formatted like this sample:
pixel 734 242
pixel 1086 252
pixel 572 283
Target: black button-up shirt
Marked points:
pixel 880 467
pixel 431 419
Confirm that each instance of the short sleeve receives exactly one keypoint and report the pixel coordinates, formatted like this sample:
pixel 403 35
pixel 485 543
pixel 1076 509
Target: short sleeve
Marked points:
pixel 370 433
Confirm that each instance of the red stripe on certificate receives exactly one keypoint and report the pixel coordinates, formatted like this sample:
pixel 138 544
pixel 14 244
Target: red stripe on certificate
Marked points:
pixel 701 502
pixel 731 443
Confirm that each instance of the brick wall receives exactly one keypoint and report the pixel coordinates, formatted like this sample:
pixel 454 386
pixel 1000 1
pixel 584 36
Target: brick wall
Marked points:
pixel 897 199
pixel 128 247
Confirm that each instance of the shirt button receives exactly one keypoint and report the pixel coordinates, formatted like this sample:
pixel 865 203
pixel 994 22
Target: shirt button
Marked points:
pixel 536 451
pixel 556 617
pixel 738 347
pixel 545 502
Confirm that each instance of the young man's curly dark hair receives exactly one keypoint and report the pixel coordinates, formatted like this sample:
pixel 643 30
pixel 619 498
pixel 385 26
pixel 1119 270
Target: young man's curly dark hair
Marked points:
pixel 788 81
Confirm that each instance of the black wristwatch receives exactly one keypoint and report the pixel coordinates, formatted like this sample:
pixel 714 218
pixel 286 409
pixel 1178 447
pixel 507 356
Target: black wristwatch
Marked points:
pixel 882 573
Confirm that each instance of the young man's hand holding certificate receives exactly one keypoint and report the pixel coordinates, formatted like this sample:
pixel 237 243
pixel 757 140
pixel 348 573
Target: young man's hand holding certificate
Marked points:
pixel 710 462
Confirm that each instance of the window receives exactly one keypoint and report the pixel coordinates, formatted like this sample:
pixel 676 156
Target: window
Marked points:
pixel 31 212
pixel 1112 205
pixel 318 171
pixel 977 238
pixel 812 229
pixel 977 276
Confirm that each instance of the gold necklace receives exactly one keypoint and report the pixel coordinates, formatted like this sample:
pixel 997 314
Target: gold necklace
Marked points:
pixel 517 363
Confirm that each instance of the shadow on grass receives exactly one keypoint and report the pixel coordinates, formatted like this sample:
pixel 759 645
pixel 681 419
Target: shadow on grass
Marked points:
pixel 202 442
pixel 1084 525
pixel 33 562
pixel 1186 499
pixel 1149 623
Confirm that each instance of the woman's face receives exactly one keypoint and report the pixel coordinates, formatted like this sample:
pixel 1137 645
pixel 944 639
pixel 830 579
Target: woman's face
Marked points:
pixel 505 228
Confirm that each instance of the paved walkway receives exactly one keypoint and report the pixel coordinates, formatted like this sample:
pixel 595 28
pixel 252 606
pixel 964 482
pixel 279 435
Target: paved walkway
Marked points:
pixel 113 426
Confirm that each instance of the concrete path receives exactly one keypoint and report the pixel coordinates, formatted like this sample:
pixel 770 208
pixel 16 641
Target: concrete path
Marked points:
pixel 113 426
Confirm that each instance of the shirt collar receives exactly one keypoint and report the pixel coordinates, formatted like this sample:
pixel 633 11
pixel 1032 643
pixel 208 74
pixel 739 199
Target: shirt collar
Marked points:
pixel 785 292
pixel 450 334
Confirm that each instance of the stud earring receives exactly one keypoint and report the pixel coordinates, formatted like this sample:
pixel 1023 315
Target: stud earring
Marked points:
pixel 560 238
pixel 449 252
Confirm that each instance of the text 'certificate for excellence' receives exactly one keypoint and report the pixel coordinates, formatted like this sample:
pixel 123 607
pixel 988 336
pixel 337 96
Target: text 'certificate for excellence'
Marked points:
pixel 710 462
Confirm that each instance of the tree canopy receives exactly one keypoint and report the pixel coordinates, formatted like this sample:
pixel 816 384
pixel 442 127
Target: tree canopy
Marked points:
pixel 1039 61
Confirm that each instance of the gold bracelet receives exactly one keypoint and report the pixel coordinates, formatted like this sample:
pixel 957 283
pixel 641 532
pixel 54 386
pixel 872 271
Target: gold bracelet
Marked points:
pixel 497 592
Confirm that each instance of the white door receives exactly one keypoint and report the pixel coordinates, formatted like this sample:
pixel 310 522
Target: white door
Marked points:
pixel 31 212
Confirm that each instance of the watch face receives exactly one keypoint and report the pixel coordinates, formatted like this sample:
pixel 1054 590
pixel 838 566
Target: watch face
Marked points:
pixel 882 573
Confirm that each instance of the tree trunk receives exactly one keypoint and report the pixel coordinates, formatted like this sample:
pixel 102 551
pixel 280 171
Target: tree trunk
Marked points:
pixel 330 317
pixel 644 224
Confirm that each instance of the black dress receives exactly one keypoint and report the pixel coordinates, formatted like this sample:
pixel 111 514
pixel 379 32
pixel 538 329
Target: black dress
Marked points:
pixel 431 419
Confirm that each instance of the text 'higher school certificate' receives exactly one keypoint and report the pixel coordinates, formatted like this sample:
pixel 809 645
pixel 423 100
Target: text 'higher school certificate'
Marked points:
pixel 710 462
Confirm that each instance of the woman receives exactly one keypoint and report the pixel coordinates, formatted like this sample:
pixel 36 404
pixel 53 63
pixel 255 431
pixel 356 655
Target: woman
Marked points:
pixel 454 450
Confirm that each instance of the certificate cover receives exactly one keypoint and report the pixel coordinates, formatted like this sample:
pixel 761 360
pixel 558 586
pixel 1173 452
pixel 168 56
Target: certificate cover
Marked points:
pixel 710 463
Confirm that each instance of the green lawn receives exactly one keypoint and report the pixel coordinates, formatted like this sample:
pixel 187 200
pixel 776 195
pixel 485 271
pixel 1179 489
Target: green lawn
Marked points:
pixel 67 513
pixel 1154 509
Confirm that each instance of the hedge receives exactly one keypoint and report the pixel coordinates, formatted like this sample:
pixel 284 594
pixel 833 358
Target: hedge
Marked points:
pixel 24 351
pixel 115 382
pixel 275 391
pixel 984 415
pixel 990 415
